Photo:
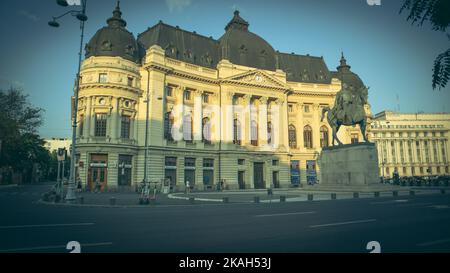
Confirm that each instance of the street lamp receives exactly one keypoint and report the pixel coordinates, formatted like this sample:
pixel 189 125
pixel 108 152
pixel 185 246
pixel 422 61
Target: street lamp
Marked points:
pixel 81 16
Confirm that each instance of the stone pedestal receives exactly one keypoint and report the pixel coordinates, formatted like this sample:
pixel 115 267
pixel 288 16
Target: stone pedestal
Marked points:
pixel 349 165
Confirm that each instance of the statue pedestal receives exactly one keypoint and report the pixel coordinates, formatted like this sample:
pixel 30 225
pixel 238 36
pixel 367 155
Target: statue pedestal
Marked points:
pixel 349 165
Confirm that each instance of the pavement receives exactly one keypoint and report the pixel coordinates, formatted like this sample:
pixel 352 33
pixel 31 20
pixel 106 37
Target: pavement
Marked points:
pixel 131 199
pixel 403 223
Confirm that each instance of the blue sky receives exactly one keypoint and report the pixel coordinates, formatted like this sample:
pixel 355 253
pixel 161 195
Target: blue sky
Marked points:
pixel 393 57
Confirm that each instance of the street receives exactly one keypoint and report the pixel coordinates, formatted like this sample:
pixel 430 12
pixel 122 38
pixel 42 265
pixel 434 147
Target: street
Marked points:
pixel 418 223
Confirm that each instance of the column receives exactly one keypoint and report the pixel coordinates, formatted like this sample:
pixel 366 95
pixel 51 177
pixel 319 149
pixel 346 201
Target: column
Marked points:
pixel 114 118
pixel 316 126
pixel 92 118
pixel 245 133
pixel 262 122
pixel 87 117
pixel 197 116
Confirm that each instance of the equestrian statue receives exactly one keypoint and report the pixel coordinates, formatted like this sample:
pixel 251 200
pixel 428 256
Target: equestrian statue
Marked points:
pixel 348 110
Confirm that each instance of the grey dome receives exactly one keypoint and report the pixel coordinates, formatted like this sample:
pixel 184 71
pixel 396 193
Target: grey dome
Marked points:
pixel 114 40
pixel 344 74
pixel 243 47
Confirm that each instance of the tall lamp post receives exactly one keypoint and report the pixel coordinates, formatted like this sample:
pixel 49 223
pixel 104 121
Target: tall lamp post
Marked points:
pixel 81 16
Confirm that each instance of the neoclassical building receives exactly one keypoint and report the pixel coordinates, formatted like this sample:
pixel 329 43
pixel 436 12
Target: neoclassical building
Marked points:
pixel 414 144
pixel 233 110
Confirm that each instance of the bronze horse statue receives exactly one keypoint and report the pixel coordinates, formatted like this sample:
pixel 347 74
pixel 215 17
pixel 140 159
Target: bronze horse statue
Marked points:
pixel 348 110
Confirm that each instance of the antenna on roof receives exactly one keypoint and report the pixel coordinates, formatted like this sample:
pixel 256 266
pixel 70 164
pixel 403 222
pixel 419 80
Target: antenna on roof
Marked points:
pixel 398 103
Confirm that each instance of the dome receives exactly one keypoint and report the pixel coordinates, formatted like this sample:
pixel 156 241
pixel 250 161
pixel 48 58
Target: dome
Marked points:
pixel 243 47
pixel 346 76
pixel 114 40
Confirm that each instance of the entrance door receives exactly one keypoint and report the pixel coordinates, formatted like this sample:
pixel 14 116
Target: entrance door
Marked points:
pixel 258 177
pixel 241 180
pixel 98 171
pixel 275 179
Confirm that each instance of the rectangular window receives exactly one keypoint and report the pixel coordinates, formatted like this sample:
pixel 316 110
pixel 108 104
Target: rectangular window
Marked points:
pixel 100 125
pixel 208 163
pixel 275 162
pixel 290 108
pixel 169 91
pixel 241 161
pixel 206 98
pixel 354 138
pixel 125 127
pixel 187 95
pixel 130 81
pixel 170 162
pixel 102 78
pixel 189 162
pixel 306 108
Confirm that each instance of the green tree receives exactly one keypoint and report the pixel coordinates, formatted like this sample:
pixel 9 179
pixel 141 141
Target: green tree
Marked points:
pixel 21 146
pixel 437 13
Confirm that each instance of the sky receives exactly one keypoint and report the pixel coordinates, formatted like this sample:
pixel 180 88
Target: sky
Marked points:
pixel 392 57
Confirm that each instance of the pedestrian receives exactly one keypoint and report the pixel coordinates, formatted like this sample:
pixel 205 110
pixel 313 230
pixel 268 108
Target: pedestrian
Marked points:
pixel 79 186
pixel 188 187
pixel 221 185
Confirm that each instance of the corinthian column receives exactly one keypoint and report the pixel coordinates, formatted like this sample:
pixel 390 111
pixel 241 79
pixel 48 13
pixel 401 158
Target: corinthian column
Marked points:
pixel 198 130
pixel 262 122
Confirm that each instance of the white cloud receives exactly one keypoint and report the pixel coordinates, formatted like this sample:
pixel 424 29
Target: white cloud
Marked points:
pixel 178 5
pixel 29 15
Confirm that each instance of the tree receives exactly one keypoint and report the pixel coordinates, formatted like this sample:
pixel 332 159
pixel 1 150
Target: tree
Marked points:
pixel 437 12
pixel 22 148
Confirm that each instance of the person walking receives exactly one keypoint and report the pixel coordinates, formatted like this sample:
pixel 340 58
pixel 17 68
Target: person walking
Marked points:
pixel 79 185
pixel 188 187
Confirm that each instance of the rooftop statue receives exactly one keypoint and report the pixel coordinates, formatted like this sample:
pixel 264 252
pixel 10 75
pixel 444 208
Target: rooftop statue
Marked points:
pixel 348 110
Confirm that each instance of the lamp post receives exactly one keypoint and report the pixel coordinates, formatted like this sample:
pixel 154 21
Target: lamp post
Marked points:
pixel 81 16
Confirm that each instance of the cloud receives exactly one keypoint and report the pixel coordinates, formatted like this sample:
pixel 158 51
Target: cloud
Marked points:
pixel 29 15
pixel 178 5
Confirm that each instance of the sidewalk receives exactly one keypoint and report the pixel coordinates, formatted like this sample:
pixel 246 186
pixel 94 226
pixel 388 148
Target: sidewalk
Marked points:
pixel 131 199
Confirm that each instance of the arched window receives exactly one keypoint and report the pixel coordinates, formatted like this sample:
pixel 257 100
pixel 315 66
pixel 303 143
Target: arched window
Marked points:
pixel 206 130
pixel 307 136
pixel 292 136
pixel 237 132
pixel 254 133
pixel 187 128
pixel 269 132
pixel 168 124
pixel 324 136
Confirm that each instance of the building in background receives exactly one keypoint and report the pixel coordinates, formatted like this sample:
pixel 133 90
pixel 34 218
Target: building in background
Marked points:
pixel 53 144
pixel 414 144
pixel 276 143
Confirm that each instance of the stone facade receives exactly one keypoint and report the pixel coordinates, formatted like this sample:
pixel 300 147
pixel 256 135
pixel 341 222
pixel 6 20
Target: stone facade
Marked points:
pixel 414 144
pixel 262 127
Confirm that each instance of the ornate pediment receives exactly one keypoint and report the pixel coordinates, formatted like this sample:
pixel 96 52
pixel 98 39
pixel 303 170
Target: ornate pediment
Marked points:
pixel 256 78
